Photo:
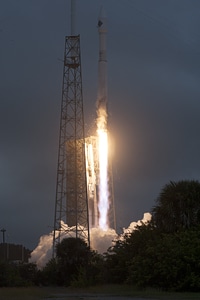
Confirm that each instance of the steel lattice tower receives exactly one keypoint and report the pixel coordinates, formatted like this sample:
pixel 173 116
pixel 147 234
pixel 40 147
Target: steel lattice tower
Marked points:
pixel 71 206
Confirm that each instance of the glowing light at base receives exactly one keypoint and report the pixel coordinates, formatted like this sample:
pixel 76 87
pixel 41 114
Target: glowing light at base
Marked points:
pixel 103 203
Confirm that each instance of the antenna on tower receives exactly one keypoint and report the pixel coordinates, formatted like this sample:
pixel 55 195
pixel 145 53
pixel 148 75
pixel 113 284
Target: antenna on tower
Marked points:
pixel 73 17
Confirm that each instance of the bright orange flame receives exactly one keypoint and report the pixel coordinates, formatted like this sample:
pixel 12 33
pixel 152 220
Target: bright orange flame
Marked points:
pixel 103 203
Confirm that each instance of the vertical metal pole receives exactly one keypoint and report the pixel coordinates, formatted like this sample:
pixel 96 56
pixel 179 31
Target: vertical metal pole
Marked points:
pixel 3 230
pixel 73 17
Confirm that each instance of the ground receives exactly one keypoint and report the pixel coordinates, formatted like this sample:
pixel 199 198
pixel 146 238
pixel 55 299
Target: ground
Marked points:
pixel 95 293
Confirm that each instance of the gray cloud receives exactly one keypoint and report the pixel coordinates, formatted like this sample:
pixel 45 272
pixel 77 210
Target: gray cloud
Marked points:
pixel 153 74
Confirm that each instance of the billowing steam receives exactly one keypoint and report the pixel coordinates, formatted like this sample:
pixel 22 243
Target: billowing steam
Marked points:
pixel 133 225
pixel 43 252
pixel 101 240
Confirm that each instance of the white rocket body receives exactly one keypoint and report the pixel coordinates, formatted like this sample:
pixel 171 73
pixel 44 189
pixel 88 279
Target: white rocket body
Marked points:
pixel 102 64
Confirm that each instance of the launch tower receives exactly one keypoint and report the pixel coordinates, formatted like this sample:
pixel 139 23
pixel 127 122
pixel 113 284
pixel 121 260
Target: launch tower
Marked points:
pixel 71 205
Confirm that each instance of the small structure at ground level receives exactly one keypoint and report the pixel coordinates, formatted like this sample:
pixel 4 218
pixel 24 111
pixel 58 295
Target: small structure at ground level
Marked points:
pixel 14 253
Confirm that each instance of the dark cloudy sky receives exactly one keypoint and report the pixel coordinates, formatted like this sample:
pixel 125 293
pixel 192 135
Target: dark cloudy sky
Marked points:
pixel 154 102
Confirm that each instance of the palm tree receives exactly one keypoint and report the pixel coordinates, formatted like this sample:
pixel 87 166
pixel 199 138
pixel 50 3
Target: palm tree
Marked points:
pixel 178 206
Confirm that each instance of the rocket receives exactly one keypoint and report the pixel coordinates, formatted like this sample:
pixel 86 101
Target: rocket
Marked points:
pixel 102 63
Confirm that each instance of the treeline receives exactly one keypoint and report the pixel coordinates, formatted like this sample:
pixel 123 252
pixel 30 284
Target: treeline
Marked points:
pixel 16 275
pixel 164 254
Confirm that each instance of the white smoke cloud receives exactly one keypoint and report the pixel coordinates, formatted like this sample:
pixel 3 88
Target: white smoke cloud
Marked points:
pixel 100 240
pixel 43 252
pixel 133 225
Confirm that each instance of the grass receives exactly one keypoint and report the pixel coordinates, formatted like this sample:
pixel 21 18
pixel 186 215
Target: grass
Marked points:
pixel 34 293
pixel 130 291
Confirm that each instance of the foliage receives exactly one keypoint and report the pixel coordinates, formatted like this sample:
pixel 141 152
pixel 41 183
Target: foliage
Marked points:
pixel 115 264
pixel 28 273
pixel 48 276
pixel 95 268
pixel 178 206
pixel 163 253
pixel 80 279
pixel 149 258
pixel 75 264
pixel 119 257
pixel 21 274
pixel 72 254
pixel 172 262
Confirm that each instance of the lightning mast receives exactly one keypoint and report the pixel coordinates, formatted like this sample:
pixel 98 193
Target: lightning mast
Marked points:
pixel 71 205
